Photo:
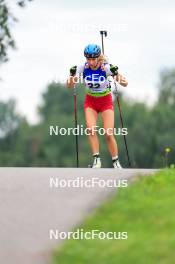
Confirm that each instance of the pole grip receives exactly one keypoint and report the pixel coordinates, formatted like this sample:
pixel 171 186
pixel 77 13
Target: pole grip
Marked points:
pixel 103 33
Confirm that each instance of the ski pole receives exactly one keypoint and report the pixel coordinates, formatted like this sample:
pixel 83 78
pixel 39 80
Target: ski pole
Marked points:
pixel 104 33
pixel 75 124
pixel 122 125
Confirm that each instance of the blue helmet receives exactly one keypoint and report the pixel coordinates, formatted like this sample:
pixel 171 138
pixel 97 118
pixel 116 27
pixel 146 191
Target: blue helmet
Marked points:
pixel 92 51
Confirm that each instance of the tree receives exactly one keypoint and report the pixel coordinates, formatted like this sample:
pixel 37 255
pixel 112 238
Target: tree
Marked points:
pixel 9 120
pixel 57 109
pixel 14 134
pixel 167 87
pixel 163 113
pixel 6 19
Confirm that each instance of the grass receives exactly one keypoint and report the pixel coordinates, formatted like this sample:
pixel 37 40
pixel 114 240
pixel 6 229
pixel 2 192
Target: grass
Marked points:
pixel 146 210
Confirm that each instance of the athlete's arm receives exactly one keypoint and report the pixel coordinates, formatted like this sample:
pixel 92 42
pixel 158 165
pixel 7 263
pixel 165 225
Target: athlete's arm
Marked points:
pixel 121 80
pixel 71 81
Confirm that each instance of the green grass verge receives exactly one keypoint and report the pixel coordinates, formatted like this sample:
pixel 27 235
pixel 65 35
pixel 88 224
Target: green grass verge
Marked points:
pixel 146 210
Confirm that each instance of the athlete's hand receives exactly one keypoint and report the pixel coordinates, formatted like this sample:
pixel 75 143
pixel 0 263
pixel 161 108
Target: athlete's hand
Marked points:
pixel 121 80
pixel 73 70
pixel 114 69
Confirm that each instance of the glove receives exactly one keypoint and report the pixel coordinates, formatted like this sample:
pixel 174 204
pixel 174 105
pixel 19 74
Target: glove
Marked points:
pixel 114 69
pixel 73 70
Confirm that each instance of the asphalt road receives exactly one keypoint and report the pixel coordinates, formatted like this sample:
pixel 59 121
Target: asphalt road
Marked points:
pixel 30 208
